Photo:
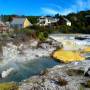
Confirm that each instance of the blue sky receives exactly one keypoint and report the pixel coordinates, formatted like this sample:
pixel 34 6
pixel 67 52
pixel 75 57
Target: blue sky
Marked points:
pixel 42 7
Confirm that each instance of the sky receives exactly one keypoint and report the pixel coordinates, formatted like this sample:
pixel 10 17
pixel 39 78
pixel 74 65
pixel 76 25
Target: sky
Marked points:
pixel 42 7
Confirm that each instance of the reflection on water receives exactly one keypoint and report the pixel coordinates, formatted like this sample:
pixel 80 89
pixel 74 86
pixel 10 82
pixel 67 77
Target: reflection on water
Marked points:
pixel 24 71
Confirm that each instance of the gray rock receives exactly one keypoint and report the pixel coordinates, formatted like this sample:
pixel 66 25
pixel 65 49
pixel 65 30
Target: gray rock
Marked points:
pixel 51 80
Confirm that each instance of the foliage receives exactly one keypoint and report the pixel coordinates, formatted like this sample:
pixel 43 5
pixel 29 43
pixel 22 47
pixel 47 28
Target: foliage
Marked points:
pixel 33 19
pixel 25 31
pixel 8 86
pixel 6 18
pixel 80 22
pixel 42 36
pixel 65 29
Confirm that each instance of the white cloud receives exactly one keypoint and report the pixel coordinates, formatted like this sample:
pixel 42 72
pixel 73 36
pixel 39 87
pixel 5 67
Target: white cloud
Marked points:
pixel 66 11
pixel 49 11
pixel 78 5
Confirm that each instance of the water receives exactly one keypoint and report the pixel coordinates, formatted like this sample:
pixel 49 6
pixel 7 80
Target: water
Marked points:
pixel 24 71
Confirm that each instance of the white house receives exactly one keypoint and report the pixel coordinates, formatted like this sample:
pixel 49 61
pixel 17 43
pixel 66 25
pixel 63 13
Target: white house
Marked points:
pixel 68 23
pixel 45 21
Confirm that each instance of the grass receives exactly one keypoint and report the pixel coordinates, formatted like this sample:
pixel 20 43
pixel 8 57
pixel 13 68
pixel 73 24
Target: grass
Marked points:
pixel 8 86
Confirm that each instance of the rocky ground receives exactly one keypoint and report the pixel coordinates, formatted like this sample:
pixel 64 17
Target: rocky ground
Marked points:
pixel 62 77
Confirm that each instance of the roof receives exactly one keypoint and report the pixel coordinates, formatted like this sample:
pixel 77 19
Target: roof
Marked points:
pixel 48 17
pixel 18 20
pixel 52 19
pixel 66 19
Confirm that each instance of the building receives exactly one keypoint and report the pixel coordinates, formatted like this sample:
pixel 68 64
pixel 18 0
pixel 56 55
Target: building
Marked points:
pixel 45 21
pixel 20 23
pixel 68 23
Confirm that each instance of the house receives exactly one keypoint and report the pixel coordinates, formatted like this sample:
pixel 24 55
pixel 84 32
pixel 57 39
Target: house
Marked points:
pixel 64 21
pixel 45 21
pixel 20 23
pixel 68 23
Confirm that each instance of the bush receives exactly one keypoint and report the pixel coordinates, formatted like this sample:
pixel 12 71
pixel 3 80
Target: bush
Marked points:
pixel 65 29
pixel 42 36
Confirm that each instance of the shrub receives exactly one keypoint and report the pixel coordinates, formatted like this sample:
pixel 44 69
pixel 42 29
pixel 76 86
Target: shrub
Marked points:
pixel 42 36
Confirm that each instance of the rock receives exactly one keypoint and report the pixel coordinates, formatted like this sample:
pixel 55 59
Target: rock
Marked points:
pixel 87 73
pixel 57 78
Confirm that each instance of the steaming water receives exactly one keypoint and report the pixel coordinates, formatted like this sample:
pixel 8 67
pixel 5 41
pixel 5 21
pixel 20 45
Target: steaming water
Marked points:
pixel 25 70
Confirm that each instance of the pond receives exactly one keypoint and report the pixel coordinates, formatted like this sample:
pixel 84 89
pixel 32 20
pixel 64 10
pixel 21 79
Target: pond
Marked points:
pixel 26 70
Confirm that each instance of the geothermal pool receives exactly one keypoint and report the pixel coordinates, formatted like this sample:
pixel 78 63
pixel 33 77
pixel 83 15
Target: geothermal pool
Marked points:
pixel 30 67
pixel 25 70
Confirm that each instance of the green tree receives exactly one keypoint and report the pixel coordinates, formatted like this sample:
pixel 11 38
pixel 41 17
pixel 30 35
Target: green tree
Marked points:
pixel 33 19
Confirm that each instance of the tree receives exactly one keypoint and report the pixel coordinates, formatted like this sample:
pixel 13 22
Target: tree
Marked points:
pixel 6 18
pixel 57 15
pixel 33 19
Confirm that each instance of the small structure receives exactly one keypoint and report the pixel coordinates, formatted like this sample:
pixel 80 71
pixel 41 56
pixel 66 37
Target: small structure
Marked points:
pixel 20 23
pixel 45 21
